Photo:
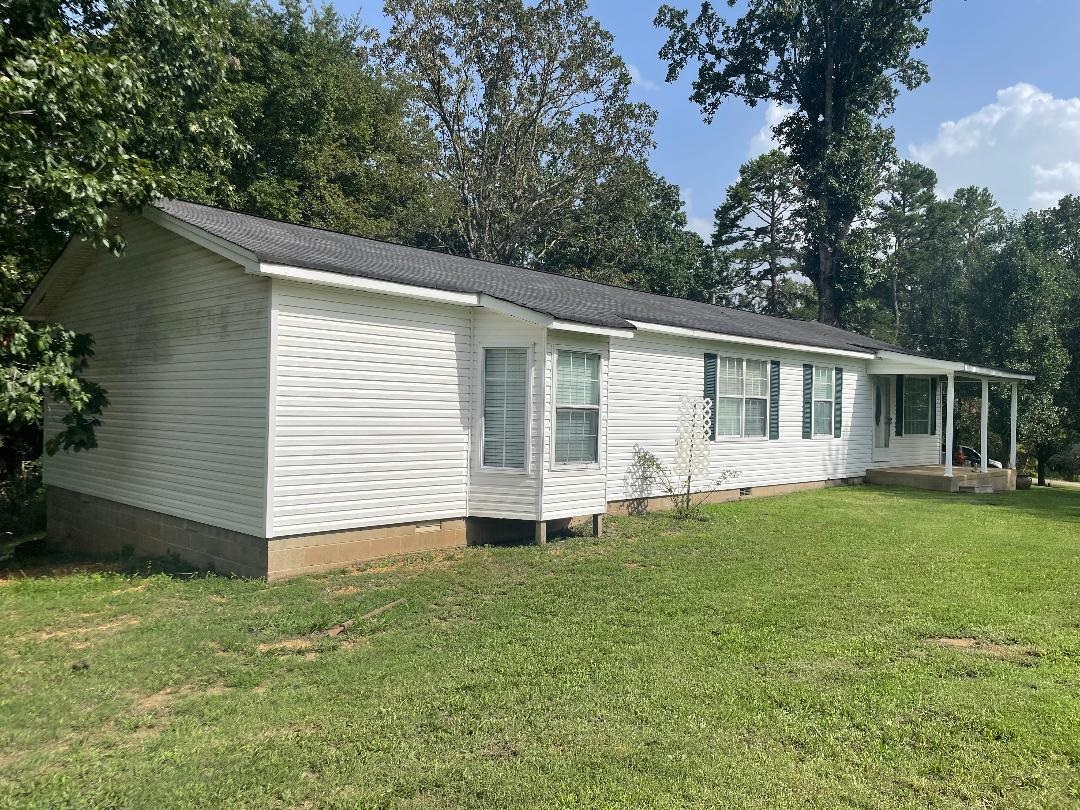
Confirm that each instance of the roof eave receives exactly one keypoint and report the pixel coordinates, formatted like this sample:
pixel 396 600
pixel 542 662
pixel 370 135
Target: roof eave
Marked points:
pixel 888 362
pixel 701 334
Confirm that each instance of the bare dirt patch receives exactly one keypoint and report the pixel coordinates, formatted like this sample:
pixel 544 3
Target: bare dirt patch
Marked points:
pixel 290 644
pixel 164 699
pixel 438 561
pixel 92 630
pixel 1010 651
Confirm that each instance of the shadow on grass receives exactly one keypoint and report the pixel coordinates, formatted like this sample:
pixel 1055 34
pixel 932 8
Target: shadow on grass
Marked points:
pixel 1058 504
pixel 40 560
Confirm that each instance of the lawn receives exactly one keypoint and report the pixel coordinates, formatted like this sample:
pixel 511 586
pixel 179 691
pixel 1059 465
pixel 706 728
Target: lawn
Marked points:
pixel 800 650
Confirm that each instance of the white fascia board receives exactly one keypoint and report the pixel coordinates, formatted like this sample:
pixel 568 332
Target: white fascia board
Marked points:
pixel 540 319
pixel 983 371
pixel 514 311
pixel 328 279
pixel 701 334
pixel 213 243
pixel 896 363
pixel 589 329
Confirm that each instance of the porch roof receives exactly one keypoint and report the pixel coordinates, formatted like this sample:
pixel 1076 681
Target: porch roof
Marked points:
pixel 889 362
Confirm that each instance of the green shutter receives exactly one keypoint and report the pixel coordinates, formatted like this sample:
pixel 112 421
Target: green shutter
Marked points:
pixel 807 401
pixel 899 404
pixel 838 402
pixel 774 400
pixel 710 390
pixel 933 406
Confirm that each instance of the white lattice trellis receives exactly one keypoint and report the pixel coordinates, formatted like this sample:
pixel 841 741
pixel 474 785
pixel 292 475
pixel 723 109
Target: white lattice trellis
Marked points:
pixel 692 440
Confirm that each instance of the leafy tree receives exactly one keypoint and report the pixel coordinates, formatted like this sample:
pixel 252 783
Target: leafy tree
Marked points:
pixel 840 64
pixel 758 229
pixel 630 230
pixel 530 105
pixel 1018 301
pixel 102 105
pixel 905 223
pixel 942 245
pixel 329 136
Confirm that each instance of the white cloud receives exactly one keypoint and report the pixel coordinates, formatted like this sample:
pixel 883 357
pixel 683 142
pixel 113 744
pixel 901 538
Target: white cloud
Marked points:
pixel 1025 147
pixel 638 79
pixel 703 226
pixel 764 140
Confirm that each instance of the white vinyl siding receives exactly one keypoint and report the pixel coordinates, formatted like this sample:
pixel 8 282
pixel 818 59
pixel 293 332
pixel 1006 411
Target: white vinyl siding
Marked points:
pixel 823 400
pixel 648 376
pixel 181 345
pixel 508 492
pixel 575 488
pixel 505 403
pixel 916 406
pixel 742 398
pixel 577 407
pixel 371 409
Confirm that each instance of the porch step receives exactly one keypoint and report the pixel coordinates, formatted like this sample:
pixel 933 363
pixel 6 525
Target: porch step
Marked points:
pixel 977 489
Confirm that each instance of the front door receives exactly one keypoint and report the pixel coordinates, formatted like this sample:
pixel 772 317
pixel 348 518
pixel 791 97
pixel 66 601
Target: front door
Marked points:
pixel 882 415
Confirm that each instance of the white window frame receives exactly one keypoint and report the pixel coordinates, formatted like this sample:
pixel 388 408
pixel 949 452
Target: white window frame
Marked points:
pixel 742 361
pixel 815 399
pixel 929 408
pixel 555 407
pixel 529 372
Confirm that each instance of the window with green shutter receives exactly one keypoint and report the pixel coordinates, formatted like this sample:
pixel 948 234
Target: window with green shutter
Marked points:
pixel 824 397
pixel 741 404
pixel 506 419
pixel 577 407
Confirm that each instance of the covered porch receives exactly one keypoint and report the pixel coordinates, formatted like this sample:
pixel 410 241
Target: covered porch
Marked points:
pixel 935 467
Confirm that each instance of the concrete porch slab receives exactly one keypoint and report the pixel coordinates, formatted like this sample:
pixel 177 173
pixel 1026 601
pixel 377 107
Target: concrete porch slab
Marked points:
pixel 932 477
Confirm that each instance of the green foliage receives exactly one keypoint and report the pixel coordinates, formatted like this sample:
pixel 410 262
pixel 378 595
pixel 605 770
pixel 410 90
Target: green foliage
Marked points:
pixel 840 65
pixel 629 229
pixel 530 106
pixel 759 231
pixel 329 138
pixel 102 105
pixel 22 507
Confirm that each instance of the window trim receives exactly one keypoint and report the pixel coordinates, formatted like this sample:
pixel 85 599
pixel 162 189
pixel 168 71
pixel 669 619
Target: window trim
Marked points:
pixel 742 437
pixel 814 400
pixel 908 378
pixel 529 372
pixel 553 464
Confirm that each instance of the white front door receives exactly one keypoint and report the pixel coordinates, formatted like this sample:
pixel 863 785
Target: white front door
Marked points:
pixel 883 416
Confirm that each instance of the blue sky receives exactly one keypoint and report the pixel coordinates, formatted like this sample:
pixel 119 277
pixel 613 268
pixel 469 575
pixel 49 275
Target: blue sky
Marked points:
pixel 1001 108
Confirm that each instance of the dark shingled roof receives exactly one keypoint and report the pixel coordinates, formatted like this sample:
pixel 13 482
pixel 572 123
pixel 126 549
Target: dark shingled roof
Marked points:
pixel 562 298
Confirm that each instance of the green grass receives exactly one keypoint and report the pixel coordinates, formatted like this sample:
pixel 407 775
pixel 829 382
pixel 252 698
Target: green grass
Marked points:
pixel 772 654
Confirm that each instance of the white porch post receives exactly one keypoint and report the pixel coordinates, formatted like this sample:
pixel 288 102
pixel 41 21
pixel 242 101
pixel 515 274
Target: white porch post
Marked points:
pixel 984 419
pixel 1012 428
pixel 950 412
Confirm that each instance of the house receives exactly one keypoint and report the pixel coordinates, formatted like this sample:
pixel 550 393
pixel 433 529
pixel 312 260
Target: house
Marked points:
pixel 286 399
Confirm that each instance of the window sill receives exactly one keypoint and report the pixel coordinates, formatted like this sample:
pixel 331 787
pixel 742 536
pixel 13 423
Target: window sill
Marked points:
pixel 739 439
pixel 504 470
pixel 593 467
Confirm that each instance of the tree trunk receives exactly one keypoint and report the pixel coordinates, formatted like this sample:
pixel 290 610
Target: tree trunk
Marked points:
pixel 826 256
pixel 896 307
pixel 825 283
pixel 1042 469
